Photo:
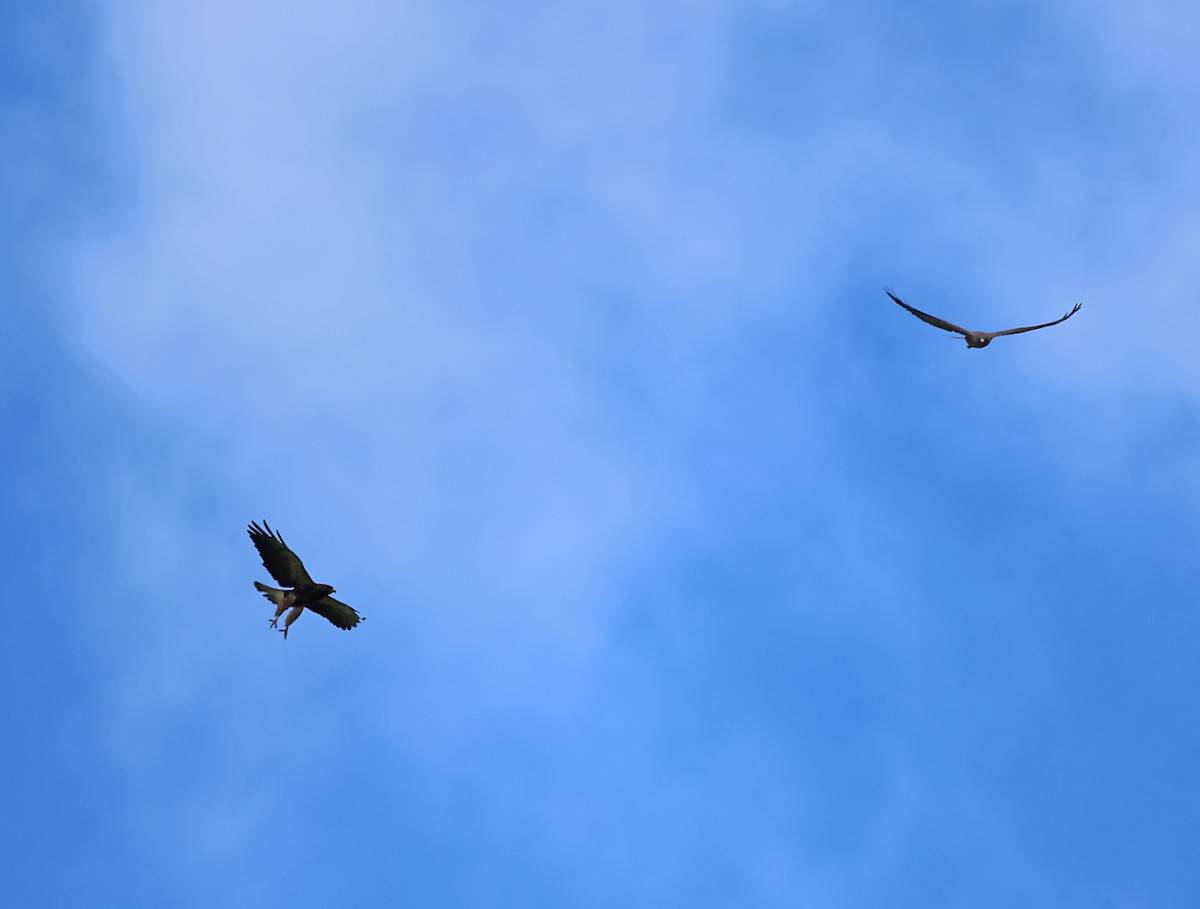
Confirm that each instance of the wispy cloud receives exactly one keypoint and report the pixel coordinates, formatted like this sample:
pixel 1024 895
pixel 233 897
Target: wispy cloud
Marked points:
pixel 553 337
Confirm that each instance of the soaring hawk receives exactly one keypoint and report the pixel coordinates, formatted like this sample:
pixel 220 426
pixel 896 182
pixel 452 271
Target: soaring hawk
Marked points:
pixel 286 568
pixel 976 338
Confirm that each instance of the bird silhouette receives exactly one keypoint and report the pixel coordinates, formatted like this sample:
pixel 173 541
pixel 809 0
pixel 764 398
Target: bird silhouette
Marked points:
pixel 975 338
pixel 286 568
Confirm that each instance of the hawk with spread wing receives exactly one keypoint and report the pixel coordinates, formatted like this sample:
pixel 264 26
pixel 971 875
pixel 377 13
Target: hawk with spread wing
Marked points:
pixel 976 338
pixel 286 568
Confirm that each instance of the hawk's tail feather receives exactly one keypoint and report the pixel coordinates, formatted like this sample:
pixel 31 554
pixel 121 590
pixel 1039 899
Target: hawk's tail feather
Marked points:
pixel 274 594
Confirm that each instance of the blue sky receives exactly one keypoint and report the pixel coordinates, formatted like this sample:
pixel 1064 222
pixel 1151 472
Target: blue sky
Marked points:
pixel 696 572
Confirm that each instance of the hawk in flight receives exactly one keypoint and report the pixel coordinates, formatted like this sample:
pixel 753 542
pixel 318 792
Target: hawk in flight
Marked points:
pixel 286 568
pixel 976 338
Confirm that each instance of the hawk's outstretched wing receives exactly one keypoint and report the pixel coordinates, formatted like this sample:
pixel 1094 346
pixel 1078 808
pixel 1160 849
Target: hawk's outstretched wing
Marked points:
pixel 1017 331
pixel 337 612
pixel 285 566
pixel 926 317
